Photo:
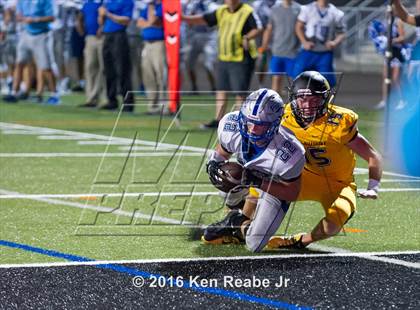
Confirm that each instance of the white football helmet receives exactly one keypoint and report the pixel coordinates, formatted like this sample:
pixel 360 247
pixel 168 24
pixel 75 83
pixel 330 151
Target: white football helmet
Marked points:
pixel 260 115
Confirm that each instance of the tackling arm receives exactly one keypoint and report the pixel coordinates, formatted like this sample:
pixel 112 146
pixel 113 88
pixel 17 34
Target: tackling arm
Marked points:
pixel 361 146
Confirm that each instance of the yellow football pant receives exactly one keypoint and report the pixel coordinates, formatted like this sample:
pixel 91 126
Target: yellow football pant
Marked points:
pixel 337 198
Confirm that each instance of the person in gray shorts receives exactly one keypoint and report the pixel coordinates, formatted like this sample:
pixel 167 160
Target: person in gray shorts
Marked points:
pixel 280 31
pixel 8 40
pixel 33 42
pixel 200 40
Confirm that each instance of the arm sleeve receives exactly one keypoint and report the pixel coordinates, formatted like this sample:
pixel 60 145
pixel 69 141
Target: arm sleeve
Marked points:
pixel 159 11
pixel 303 16
pixel 225 135
pixel 350 129
pixel 128 9
pixel 252 22
pixel 48 10
pixel 340 25
pixel 210 18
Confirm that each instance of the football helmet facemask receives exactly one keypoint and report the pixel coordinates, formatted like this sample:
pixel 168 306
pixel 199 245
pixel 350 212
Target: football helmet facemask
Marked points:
pixel 309 96
pixel 260 114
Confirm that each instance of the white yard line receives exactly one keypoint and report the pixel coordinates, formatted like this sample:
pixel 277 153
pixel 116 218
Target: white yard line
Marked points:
pixel 396 181
pixel 143 148
pixel 145 194
pixel 366 171
pixel 393 190
pixel 62 137
pixel 100 155
pixel 368 256
pixel 43 131
pixel 99 142
pixel 221 258
pixel 64 196
pixel 201 151
pixel 337 251
pixel 137 214
pixel 126 141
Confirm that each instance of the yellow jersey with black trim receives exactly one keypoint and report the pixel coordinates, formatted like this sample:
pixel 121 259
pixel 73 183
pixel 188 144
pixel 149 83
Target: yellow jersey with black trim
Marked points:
pixel 230 38
pixel 325 142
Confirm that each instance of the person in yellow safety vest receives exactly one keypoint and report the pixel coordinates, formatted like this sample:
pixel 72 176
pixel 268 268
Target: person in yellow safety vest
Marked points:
pixel 238 26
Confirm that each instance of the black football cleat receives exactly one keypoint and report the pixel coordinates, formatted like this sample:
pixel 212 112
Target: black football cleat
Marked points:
pixel 226 231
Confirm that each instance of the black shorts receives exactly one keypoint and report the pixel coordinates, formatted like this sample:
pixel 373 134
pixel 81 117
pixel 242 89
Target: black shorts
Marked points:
pixel 234 76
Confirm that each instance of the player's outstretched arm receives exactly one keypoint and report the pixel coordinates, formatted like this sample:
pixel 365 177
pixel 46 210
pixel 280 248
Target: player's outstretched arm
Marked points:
pixel 194 20
pixel 361 146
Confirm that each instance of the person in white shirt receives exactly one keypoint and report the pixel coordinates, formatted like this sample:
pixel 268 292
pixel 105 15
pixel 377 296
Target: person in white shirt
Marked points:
pixel 320 28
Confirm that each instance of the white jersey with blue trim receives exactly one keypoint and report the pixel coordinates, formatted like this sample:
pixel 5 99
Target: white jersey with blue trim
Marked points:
pixel 282 159
pixel 321 25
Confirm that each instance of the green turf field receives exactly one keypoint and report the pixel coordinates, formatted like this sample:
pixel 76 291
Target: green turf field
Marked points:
pixel 58 150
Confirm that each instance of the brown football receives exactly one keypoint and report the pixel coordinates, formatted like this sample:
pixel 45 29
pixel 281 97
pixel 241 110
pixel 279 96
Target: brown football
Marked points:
pixel 232 173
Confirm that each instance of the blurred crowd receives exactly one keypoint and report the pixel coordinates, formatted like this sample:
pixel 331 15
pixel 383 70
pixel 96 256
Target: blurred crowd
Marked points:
pixel 107 48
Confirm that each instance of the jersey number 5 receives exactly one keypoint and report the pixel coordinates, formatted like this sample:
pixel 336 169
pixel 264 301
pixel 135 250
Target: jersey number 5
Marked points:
pixel 317 158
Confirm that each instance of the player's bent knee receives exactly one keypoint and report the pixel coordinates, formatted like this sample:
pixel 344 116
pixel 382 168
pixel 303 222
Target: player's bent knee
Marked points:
pixel 338 217
pixel 254 244
pixel 268 217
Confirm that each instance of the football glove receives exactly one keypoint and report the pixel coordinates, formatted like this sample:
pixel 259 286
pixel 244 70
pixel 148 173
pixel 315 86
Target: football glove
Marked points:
pixel 215 174
pixel 372 190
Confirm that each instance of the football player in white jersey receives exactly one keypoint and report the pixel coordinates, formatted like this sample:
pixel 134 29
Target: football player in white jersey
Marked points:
pixel 273 160
pixel 320 28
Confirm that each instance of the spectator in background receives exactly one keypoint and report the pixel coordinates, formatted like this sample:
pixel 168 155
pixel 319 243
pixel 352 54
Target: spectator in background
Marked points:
pixel 237 51
pixel 280 32
pixel 411 89
pixel 3 66
pixel 93 56
pixel 57 47
pixel 263 10
pixel 115 16
pixel 320 28
pixel 77 44
pixel 200 40
pixel 135 41
pixel 68 46
pixel 33 42
pixel 67 49
pixel 8 52
pixel 400 51
pixel 401 12
pixel 153 55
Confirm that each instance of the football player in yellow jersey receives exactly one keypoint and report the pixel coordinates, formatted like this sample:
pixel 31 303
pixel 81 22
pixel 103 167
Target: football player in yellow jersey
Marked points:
pixel 331 139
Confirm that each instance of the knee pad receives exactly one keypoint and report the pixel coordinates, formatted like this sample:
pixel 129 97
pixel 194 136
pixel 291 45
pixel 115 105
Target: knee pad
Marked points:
pixel 338 216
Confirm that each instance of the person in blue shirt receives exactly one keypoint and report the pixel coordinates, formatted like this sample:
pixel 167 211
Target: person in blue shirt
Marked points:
pixel 115 16
pixel 93 64
pixel 153 54
pixel 36 16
